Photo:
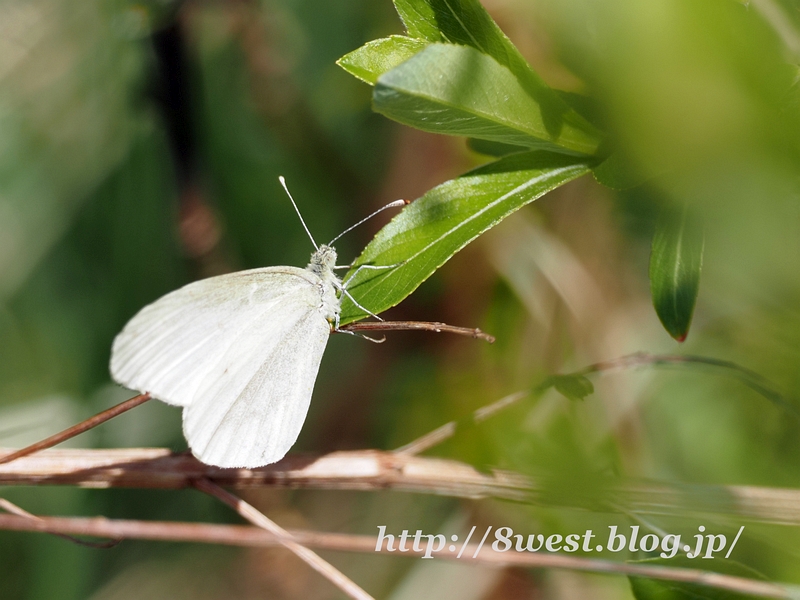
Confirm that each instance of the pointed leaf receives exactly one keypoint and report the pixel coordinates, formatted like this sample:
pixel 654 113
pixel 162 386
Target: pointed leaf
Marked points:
pixel 457 90
pixel 433 228
pixel 466 22
pixel 419 19
pixel 374 58
pixel 675 263
pixel 619 172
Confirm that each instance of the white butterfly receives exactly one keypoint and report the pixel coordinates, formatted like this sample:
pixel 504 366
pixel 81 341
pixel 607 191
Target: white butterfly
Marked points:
pixel 239 352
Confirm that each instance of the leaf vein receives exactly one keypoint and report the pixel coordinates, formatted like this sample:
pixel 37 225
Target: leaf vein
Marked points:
pixel 464 27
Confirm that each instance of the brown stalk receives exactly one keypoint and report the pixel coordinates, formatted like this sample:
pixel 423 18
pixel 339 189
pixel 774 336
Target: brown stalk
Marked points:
pixel 13 509
pixel 373 470
pixel 241 535
pixel 81 427
pixel 311 558
pixel 433 326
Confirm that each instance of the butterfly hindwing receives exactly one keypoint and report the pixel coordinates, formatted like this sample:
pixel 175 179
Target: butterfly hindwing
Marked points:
pixel 253 413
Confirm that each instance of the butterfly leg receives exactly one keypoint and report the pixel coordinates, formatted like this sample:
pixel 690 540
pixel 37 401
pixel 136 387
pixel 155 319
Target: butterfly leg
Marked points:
pixel 366 310
pixel 361 335
pixel 343 285
pixel 354 301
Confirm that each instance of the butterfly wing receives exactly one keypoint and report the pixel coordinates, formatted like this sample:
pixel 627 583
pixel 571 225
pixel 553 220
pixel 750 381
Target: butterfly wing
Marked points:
pixel 252 414
pixel 240 352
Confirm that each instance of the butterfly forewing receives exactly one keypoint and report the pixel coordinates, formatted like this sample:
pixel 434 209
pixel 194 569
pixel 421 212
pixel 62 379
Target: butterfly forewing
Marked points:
pixel 244 347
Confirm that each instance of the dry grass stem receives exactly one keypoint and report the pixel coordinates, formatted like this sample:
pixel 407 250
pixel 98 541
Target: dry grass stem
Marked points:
pixel 78 429
pixel 372 470
pixel 433 326
pixel 448 430
pixel 241 535
pixel 311 558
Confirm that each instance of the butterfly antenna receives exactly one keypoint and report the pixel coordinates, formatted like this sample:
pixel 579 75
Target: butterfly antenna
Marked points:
pixel 394 204
pixel 288 193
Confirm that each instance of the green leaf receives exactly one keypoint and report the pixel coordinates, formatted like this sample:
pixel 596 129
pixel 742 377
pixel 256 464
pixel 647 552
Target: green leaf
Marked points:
pixel 675 264
pixel 432 229
pixel 493 148
pixel 419 19
pixel 573 387
pixel 619 172
pixel 466 22
pixel 374 58
pixel 457 90
pixel 585 106
pixel 654 589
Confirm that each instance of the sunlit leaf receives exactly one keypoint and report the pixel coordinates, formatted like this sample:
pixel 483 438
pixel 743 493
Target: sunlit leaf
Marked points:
pixel 466 22
pixel 457 90
pixel 374 58
pixel 675 264
pixel 433 228
pixel 419 18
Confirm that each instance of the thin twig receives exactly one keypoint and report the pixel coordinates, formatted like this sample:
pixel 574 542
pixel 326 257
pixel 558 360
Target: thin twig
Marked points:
pixel 438 435
pixel 311 558
pixel 241 535
pixel 12 508
pixel 417 326
pixel 81 427
pixel 748 377
pixel 373 470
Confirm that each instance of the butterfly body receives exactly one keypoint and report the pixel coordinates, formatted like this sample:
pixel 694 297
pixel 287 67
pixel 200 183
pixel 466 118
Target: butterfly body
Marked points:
pixel 322 264
pixel 239 352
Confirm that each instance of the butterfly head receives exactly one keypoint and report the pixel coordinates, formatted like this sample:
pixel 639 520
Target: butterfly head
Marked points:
pixel 323 261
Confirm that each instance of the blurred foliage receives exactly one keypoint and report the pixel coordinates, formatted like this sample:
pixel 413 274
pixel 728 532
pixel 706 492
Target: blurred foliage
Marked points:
pixel 102 211
pixel 649 589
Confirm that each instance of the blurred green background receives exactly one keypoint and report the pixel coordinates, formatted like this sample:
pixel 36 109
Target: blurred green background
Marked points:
pixel 140 145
